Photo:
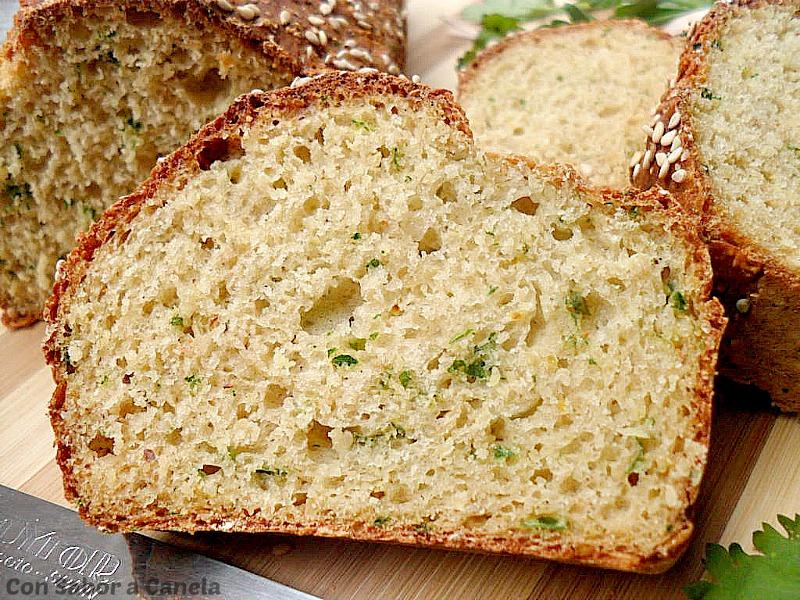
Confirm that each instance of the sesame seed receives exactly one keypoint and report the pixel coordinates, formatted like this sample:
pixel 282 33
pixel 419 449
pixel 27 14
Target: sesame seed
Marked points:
pixel 312 37
pixel 309 51
pixel 364 25
pixel 674 155
pixel 335 23
pixel 676 143
pixel 660 158
pixel 343 64
pixel 656 118
pixel 362 54
pixel 359 16
pixel 256 91
pixel 393 69
pixel 323 37
pixel 325 9
pixel 648 156
pixel 316 21
pixel 285 17
pixel 298 81
pixel 349 43
pixel 416 78
pixel 669 137
pixel 636 170
pixel 248 12
pixel 368 70
pixel 674 120
pixel 743 305
pixel 648 130
pixel 635 159
pixel 685 155
pixel 679 175
pixel 658 131
pixel 387 60
pixel 225 5
pixel 662 172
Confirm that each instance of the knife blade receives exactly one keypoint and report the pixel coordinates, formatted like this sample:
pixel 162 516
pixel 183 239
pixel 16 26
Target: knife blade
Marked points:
pixel 46 551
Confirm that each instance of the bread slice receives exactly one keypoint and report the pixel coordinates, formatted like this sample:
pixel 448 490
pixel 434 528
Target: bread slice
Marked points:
pixel 328 314
pixel 576 95
pixel 93 91
pixel 727 142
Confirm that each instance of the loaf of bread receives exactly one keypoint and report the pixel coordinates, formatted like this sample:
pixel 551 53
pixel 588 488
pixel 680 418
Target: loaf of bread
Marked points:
pixel 92 92
pixel 576 95
pixel 328 314
pixel 726 140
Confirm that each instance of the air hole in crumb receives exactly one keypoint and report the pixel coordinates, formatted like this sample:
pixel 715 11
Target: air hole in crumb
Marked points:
pixel 127 407
pixel 235 173
pixel 414 203
pixel 275 395
pixel 377 494
pixel 529 411
pixel 208 244
pixel 446 192
pixel 569 485
pixel 442 414
pixel 474 521
pixel 430 472
pixel 210 469
pixel 223 294
pixel 384 152
pixel 545 474
pixel 399 493
pixel 613 408
pixel 563 421
pixel 261 304
pixel 525 205
pixel 303 153
pixel 317 436
pixel 215 149
pixel 677 446
pixel 243 411
pixel 313 204
pixel 666 273
pixel 617 283
pixel 102 445
pixel 430 242
pixel 299 498
pixel 505 298
pixel 279 184
pixel 518 131
pixel 562 234
pixel 336 306
pixel 205 88
pixel 497 429
pixel 563 363
pixel 475 403
pixel 174 437
pixel 320 136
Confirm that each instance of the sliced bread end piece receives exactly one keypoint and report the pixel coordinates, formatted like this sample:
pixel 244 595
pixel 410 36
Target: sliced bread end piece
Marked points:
pixel 574 95
pixel 328 314
pixel 726 142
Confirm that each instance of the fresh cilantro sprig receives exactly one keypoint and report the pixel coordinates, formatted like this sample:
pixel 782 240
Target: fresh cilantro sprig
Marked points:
pixel 498 18
pixel 736 575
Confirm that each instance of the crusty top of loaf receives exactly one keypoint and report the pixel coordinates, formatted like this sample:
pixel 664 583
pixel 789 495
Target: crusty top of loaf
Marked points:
pixel 221 139
pixel 300 36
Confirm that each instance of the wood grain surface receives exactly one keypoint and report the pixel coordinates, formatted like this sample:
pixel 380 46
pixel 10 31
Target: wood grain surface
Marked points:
pixel 753 473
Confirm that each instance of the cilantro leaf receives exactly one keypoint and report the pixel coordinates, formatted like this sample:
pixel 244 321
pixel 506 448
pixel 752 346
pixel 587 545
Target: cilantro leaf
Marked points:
pixel 493 26
pixel 736 575
pixel 515 9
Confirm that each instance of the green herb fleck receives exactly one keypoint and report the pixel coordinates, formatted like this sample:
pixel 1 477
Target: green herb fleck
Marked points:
pixel 193 381
pixel 18 148
pixel 492 290
pixel 272 472
pixel 707 94
pixel 381 521
pixel 592 361
pixel 362 125
pixel 795 149
pixel 233 452
pixel 332 351
pixel 405 378
pixel 678 301
pixel 358 344
pixel 104 380
pixel 397 157
pixel 638 458
pixel 550 522
pixel 576 306
pixel 176 321
pixel 373 264
pixel 462 335
pixel 344 360
pixel 717 44
pixel 134 124
pixel 373 336
pixel 356 236
pixel 503 453
pixel 16 191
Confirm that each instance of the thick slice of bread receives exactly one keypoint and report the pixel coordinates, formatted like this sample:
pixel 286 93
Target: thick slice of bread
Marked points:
pixel 728 144
pixel 575 95
pixel 328 314
pixel 93 91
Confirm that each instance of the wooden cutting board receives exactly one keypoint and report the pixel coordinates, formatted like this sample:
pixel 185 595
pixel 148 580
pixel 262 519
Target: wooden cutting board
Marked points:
pixel 753 474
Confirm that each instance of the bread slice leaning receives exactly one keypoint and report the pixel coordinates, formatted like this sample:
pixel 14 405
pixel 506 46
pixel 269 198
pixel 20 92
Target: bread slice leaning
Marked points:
pixel 92 92
pixel 329 314
pixel 726 141
pixel 573 95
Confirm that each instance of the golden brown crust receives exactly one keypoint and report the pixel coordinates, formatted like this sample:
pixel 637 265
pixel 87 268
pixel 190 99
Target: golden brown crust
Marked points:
pixel 222 136
pixel 760 294
pixel 381 34
pixel 536 36
pixel 378 42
